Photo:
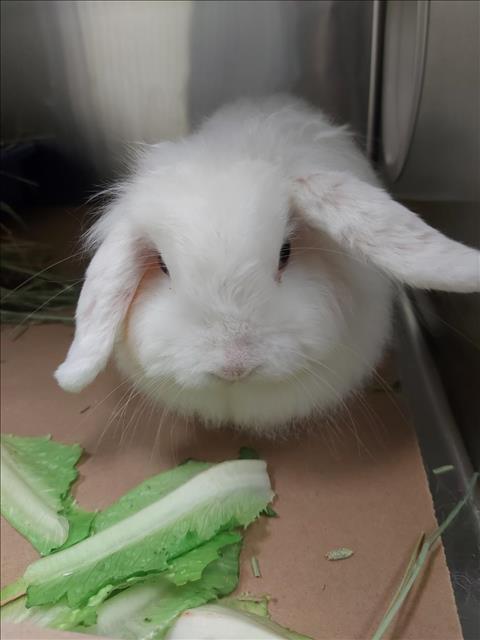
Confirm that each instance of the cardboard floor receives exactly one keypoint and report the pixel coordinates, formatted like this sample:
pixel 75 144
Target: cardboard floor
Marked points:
pixel 356 480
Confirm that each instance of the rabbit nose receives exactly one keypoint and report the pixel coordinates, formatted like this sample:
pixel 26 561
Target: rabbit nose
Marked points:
pixel 233 373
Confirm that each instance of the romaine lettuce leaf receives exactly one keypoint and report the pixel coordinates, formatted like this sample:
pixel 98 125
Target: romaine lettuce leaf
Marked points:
pixel 208 500
pixel 231 619
pixel 148 610
pixel 80 523
pixel 57 616
pixel 190 566
pixel 36 474
pixel 144 610
pixel 13 590
pixel 46 616
pixel 147 492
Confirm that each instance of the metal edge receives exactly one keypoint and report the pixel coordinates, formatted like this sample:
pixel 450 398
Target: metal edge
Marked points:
pixel 440 444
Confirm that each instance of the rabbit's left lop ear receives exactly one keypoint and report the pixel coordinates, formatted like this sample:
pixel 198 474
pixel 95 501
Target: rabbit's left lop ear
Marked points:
pixel 365 221
pixel 111 280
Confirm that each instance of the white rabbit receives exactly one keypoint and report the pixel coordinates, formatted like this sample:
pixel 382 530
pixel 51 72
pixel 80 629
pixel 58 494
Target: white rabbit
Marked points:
pixel 245 274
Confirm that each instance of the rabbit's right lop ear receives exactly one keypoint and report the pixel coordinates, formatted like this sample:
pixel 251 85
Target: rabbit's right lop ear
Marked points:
pixel 111 280
pixel 365 221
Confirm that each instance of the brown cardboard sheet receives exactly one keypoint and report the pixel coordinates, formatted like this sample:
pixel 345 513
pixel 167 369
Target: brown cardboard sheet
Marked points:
pixel 356 480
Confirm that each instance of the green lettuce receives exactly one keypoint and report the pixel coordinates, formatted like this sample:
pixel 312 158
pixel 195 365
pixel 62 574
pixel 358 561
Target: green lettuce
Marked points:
pixel 57 616
pixel 36 475
pixel 148 492
pixel 144 610
pixel 191 565
pixel 148 610
pixel 170 544
pixel 197 502
pixel 247 618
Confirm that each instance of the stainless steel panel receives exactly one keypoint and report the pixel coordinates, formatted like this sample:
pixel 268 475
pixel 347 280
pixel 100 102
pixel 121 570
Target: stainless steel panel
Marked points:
pixel 100 75
pixel 406 29
pixel 431 133
pixel 440 169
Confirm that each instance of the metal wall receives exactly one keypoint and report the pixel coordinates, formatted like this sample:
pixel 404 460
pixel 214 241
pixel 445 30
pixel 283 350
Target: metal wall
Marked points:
pixel 431 158
pixel 98 75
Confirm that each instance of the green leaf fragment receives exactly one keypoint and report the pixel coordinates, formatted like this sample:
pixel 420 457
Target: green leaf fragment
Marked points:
pixel 80 524
pixel 269 512
pixel 249 603
pixel 339 554
pixel 255 567
pixel 13 590
pixel 36 475
pixel 443 469
pixel 247 453
pixel 190 566
pixel 257 608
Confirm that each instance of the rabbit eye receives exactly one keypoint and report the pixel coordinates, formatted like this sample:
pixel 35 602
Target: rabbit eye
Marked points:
pixel 162 264
pixel 284 255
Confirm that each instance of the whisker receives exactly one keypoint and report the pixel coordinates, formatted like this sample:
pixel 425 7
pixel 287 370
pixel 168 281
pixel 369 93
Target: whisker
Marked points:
pixel 113 415
pixel 165 413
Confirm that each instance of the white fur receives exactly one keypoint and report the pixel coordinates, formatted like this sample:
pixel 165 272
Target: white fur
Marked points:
pixel 218 206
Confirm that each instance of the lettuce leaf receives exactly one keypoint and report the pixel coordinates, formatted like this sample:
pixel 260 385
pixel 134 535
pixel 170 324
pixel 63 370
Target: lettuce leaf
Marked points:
pixel 190 566
pixel 239 619
pixel 148 492
pixel 170 544
pixel 198 502
pixel 57 616
pixel 148 610
pixel 145 610
pixel 80 523
pixel 36 475
pixel 13 590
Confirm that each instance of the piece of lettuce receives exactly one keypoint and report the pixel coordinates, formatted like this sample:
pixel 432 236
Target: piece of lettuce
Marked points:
pixel 153 610
pixel 144 610
pixel 36 475
pixel 130 543
pixel 191 565
pixel 80 523
pixel 148 610
pixel 231 619
pixel 57 616
pixel 170 544
pixel 248 453
pixel 13 590
pixel 148 492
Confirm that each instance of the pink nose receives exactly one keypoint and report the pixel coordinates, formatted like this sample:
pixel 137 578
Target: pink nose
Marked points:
pixel 233 373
